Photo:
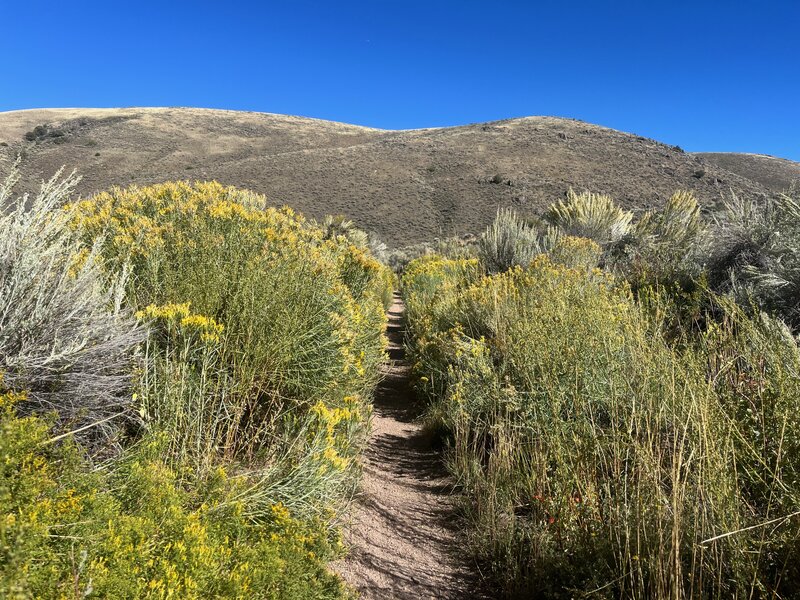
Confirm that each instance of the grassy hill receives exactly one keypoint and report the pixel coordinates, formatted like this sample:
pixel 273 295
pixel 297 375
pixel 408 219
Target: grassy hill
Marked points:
pixel 407 186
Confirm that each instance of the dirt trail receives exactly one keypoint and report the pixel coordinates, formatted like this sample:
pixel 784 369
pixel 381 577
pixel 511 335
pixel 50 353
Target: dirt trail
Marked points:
pixel 403 539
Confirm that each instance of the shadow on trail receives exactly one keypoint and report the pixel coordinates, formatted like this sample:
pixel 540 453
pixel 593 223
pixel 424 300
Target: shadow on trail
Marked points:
pixel 405 542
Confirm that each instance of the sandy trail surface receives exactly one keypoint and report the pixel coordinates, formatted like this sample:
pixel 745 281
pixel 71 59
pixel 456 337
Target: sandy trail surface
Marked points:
pixel 403 536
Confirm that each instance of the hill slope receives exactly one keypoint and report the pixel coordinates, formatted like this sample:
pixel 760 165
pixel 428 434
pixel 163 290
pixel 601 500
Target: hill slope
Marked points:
pixel 776 174
pixel 407 186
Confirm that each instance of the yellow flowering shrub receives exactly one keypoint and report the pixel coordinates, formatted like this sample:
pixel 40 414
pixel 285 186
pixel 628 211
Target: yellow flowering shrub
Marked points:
pixel 363 275
pixel 576 252
pixel 264 343
pixel 297 318
pixel 593 454
pixel 68 532
pixel 298 305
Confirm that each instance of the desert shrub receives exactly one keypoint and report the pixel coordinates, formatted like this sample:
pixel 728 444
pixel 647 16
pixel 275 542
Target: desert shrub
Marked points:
pixel 463 246
pixel 290 298
pixel 588 215
pixel 70 532
pixel 754 364
pixel 664 247
pixel 431 285
pixel 339 225
pixel 64 335
pixel 424 281
pixel 508 242
pixel 305 459
pixel 676 227
pixel 754 255
pixel 43 132
pixel 361 244
pixel 262 349
pixel 575 252
pixel 363 275
pixel 258 324
pixel 597 456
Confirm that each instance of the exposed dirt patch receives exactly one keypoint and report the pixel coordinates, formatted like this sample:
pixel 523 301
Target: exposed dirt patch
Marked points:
pixel 403 536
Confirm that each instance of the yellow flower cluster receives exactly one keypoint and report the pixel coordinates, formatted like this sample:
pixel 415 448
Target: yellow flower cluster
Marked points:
pixel 180 314
pixel 167 312
pixel 140 221
pixel 576 252
pixel 331 417
pixel 325 423
pixel 9 398
pixel 79 261
pixel 207 327
pixel 441 268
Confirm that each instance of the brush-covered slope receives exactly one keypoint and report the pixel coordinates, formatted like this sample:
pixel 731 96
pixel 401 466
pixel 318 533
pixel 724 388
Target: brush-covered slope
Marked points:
pixel 407 186
pixel 776 174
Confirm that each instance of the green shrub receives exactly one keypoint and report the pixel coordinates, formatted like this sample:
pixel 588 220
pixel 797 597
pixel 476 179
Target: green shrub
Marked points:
pixel 589 215
pixel 69 532
pixel 597 457
pixel 754 255
pixel 575 252
pixel 465 246
pixel 754 365
pixel 258 323
pixel 664 247
pixel 262 349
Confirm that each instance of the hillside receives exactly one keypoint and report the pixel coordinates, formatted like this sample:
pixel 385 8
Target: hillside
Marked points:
pixel 776 174
pixel 407 186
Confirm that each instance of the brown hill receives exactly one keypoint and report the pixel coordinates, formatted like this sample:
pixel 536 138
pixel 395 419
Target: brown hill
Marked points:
pixel 776 174
pixel 407 186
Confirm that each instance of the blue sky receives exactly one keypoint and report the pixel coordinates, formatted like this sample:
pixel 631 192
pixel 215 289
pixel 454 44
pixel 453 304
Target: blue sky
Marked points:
pixel 717 76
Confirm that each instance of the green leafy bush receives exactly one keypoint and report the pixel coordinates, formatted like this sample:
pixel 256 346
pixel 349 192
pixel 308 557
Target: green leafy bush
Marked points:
pixel 251 394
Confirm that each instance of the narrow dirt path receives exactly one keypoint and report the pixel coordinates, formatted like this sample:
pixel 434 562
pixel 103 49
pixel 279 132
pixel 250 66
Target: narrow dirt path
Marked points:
pixel 403 540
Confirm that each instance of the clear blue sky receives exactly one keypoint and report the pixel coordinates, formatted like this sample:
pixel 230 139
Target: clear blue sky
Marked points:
pixel 704 75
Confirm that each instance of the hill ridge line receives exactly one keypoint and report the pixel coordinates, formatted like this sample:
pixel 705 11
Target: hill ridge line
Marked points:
pixel 407 186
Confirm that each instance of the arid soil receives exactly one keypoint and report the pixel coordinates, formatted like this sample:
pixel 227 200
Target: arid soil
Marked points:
pixel 407 186
pixel 403 536
pixel 777 174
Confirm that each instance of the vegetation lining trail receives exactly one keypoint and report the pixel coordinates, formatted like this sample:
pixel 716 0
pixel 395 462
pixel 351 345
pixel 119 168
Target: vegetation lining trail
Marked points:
pixel 403 539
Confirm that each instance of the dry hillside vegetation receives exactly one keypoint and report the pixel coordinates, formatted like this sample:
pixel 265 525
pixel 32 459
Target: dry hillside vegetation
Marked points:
pixel 407 186
pixel 777 174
